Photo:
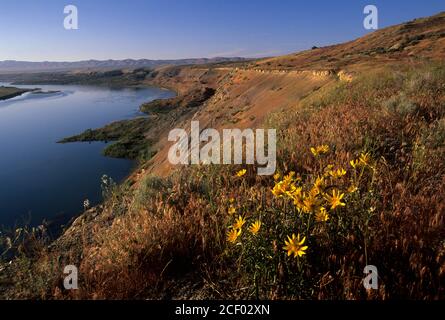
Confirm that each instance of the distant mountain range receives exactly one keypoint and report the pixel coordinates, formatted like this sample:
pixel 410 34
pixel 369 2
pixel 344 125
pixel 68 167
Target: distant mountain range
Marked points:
pixel 26 66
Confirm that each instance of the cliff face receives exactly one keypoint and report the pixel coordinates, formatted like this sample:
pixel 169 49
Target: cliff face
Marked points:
pixel 243 98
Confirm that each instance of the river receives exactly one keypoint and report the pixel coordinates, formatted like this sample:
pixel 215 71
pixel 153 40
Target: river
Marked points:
pixel 41 179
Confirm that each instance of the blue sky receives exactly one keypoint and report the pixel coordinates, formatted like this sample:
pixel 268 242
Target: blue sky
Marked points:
pixel 169 29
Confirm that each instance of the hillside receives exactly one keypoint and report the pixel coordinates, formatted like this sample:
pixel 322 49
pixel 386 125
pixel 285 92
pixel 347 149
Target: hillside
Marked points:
pixel 247 93
pixel 360 176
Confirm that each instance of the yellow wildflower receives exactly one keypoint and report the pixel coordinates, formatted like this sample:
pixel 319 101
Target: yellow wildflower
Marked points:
pixel 233 234
pixel 309 203
pixel 316 151
pixel 317 188
pixel 284 187
pixel 314 192
pixel 276 176
pixel 324 148
pixel 295 192
pixel 365 159
pixel 277 190
pixel 255 227
pixel 322 215
pixel 232 210
pixel 289 176
pixel 241 173
pixel 355 163
pixel 280 189
pixel 298 202
pixel 239 222
pixel 295 246
pixel 297 197
pixel 319 182
pixel 335 199
pixel 337 173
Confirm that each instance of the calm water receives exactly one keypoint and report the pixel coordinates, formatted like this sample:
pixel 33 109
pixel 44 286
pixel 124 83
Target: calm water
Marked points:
pixel 40 179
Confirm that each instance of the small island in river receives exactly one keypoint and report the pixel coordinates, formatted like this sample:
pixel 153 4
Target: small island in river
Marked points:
pixel 12 92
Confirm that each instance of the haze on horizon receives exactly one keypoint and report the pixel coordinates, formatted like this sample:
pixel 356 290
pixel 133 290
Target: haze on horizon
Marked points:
pixel 168 29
